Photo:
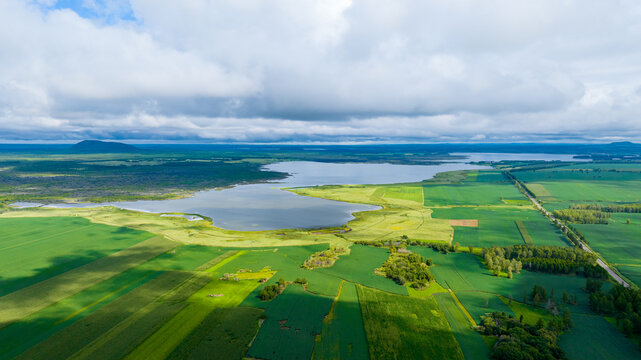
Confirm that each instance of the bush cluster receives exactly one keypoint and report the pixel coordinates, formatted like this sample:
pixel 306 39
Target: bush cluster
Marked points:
pixel 408 268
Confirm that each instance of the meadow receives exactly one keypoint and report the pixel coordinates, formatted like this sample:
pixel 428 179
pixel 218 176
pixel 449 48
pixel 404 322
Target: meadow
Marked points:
pixel 401 327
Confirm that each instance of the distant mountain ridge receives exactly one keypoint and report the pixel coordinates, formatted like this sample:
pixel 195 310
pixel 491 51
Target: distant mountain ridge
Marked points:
pixel 97 146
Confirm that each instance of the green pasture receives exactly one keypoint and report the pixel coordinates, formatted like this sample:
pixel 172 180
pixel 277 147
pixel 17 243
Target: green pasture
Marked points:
pixel 593 337
pixel 35 249
pixel 497 226
pixel 343 335
pixel 402 327
pixel 359 266
pixel 293 320
pixel 479 303
pixel 470 341
pixel 464 272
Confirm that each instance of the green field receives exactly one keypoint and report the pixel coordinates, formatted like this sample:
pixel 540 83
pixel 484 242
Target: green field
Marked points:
pixel 401 327
pixel 35 249
pixel 496 226
pixel 470 341
pixel 343 335
pixel 293 320
pixel 228 331
pixel 594 338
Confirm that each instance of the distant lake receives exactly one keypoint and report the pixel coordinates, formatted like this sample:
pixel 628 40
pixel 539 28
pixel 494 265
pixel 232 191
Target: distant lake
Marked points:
pixel 267 207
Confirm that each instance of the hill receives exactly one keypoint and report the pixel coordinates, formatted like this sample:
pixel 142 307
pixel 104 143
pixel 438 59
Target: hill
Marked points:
pixel 97 146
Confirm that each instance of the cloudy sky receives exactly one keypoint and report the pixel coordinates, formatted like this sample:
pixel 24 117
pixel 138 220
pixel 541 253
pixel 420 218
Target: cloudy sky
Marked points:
pixel 320 70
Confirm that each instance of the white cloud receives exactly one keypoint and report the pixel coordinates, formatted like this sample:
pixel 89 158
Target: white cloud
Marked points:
pixel 253 70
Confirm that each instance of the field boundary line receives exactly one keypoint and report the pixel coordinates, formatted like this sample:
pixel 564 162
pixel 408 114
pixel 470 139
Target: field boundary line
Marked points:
pixel 225 261
pixel 460 305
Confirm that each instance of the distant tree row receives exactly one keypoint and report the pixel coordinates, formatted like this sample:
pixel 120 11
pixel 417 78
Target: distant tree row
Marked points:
pixel 582 216
pixel 613 208
pixel 621 302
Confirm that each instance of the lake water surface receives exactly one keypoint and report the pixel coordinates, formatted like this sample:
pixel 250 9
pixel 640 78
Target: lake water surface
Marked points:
pixel 267 207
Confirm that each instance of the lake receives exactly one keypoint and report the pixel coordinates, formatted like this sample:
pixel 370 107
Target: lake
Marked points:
pixel 266 207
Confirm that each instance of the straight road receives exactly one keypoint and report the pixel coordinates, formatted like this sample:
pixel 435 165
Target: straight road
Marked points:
pixel 602 264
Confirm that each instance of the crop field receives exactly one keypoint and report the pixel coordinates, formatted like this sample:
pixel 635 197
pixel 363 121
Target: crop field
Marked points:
pixel 226 330
pixel 293 321
pixel 593 337
pixel 402 327
pixel 343 335
pixel 468 194
pixel 162 342
pixel 496 226
pixel 470 341
pixel 35 249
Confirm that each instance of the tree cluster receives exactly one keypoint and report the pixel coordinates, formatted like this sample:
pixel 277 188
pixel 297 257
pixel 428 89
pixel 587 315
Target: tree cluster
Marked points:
pixel 621 302
pixel 408 268
pixel 517 340
pixel 582 216
pixel 269 292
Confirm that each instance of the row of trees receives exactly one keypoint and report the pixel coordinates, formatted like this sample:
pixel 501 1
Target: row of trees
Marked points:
pixel 613 208
pixel 408 268
pixel 621 302
pixel 551 259
pixel 582 216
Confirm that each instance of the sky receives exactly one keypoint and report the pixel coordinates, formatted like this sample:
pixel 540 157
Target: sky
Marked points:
pixel 320 70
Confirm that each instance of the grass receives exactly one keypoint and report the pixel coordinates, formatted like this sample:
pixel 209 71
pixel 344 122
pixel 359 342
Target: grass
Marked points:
pixel 527 238
pixel 24 302
pixel 470 341
pixel 479 303
pixel 293 320
pixel 35 249
pixel 400 327
pixel 359 267
pixel 594 338
pixel 228 331
pixel 343 335
pixel 531 314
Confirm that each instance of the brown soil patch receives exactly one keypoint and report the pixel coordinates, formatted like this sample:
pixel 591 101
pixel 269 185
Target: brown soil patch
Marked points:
pixel 468 223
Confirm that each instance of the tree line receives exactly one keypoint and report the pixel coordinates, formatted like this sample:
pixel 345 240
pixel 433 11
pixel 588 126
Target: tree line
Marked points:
pixel 582 216
pixel 611 208
pixel 550 259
